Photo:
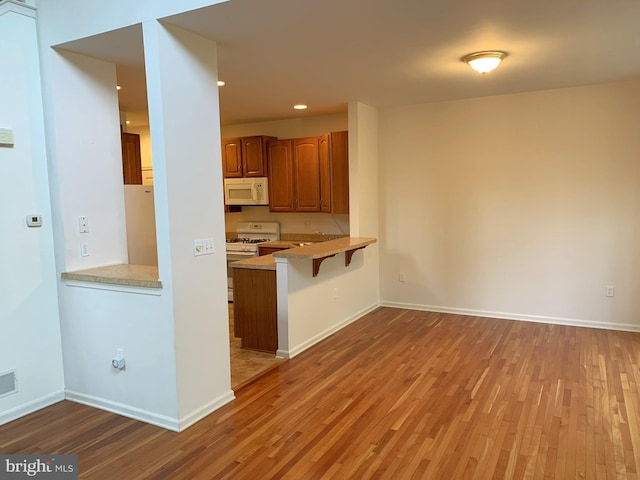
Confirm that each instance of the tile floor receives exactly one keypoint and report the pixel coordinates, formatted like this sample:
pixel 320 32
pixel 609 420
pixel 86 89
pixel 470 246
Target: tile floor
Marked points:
pixel 246 365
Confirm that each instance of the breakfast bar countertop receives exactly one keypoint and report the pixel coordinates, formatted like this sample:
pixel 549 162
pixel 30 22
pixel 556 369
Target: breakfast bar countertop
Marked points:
pixel 326 249
pixel 264 262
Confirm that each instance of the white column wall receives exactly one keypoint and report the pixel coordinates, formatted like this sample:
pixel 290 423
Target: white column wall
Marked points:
pixel 307 309
pixel 185 140
pixel 29 319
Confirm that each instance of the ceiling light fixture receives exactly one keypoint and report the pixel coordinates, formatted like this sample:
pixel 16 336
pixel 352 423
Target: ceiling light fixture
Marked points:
pixel 118 87
pixel 220 83
pixel 484 62
pixel 300 106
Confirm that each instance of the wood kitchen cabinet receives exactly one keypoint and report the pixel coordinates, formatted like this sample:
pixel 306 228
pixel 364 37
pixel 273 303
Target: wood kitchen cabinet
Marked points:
pixel 131 158
pixel 245 156
pixel 309 174
pixel 294 175
pixel 255 309
pixel 280 155
pixel 334 172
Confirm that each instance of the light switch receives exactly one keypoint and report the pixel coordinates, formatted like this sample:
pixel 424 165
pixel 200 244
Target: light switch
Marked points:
pixel 203 247
pixel 6 137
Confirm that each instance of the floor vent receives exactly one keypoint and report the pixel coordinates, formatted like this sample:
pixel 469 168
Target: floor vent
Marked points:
pixel 8 383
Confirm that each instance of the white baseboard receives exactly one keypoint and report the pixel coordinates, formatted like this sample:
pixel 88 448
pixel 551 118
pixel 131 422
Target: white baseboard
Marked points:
pixel 516 316
pixel 170 423
pixel 212 406
pixel 30 407
pixel 292 352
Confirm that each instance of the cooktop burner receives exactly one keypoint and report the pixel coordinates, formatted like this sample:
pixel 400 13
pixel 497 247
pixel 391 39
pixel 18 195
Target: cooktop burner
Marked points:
pixel 247 240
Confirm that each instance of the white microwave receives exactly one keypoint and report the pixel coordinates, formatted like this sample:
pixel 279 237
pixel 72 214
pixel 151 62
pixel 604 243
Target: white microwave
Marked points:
pixel 246 191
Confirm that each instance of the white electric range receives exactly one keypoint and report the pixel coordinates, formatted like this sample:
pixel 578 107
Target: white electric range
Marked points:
pixel 250 235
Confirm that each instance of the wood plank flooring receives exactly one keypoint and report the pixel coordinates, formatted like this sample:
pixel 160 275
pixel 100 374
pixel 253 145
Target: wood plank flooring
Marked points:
pixel 399 394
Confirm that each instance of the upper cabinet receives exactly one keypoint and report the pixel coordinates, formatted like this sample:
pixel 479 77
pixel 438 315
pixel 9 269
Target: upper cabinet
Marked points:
pixel 334 172
pixel 294 175
pixel 306 175
pixel 280 154
pixel 309 174
pixel 131 159
pixel 245 157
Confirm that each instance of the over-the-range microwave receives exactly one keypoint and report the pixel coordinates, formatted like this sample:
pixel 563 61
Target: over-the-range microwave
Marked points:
pixel 246 191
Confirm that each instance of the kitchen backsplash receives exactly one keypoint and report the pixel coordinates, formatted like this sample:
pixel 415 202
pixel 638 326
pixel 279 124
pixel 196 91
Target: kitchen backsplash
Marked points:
pixel 311 223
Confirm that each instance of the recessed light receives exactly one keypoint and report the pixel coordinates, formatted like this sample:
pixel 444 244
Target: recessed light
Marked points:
pixel 220 83
pixel 118 87
pixel 300 106
pixel 128 122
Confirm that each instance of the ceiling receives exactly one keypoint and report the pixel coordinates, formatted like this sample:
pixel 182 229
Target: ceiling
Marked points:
pixel 273 54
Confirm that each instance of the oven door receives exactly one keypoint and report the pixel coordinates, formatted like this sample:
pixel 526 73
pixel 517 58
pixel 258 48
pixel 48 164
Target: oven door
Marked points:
pixel 234 257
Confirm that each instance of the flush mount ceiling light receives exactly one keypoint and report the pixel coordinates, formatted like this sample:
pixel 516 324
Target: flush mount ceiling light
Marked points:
pixel 300 106
pixel 484 62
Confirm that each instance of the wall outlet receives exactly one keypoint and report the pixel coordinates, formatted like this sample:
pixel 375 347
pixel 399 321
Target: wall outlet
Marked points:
pixel 118 361
pixel 401 277
pixel 203 246
pixel 609 291
pixel 83 224
pixel 84 249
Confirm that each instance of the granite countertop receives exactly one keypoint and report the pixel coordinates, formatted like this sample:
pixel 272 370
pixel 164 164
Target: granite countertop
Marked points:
pixel 145 276
pixel 326 249
pixel 264 262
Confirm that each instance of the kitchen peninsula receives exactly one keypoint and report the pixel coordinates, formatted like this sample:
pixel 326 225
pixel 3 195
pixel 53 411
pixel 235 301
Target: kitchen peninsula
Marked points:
pixel 261 290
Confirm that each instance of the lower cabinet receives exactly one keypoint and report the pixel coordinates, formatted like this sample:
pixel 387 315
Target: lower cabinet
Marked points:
pixel 255 309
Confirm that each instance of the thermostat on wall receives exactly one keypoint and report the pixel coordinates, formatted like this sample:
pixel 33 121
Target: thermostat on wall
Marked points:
pixel 34 220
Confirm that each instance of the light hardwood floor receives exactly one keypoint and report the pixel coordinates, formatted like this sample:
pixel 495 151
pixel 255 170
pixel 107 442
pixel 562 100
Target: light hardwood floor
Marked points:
pixel 398 394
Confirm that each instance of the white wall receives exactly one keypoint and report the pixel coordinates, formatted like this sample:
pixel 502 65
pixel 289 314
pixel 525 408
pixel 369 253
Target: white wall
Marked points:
pixel 29 319
pixel 86 158
pixel 305 126
pixel 145 145
pixel 522 206
pixel 307 309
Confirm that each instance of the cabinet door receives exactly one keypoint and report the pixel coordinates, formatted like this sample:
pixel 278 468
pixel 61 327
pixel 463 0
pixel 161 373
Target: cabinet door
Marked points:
pixel 306 172
pixel 253 158
pixel 231 157
pixel 131 159
pixel 339 172
pixel 280 164
pixel 325 173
